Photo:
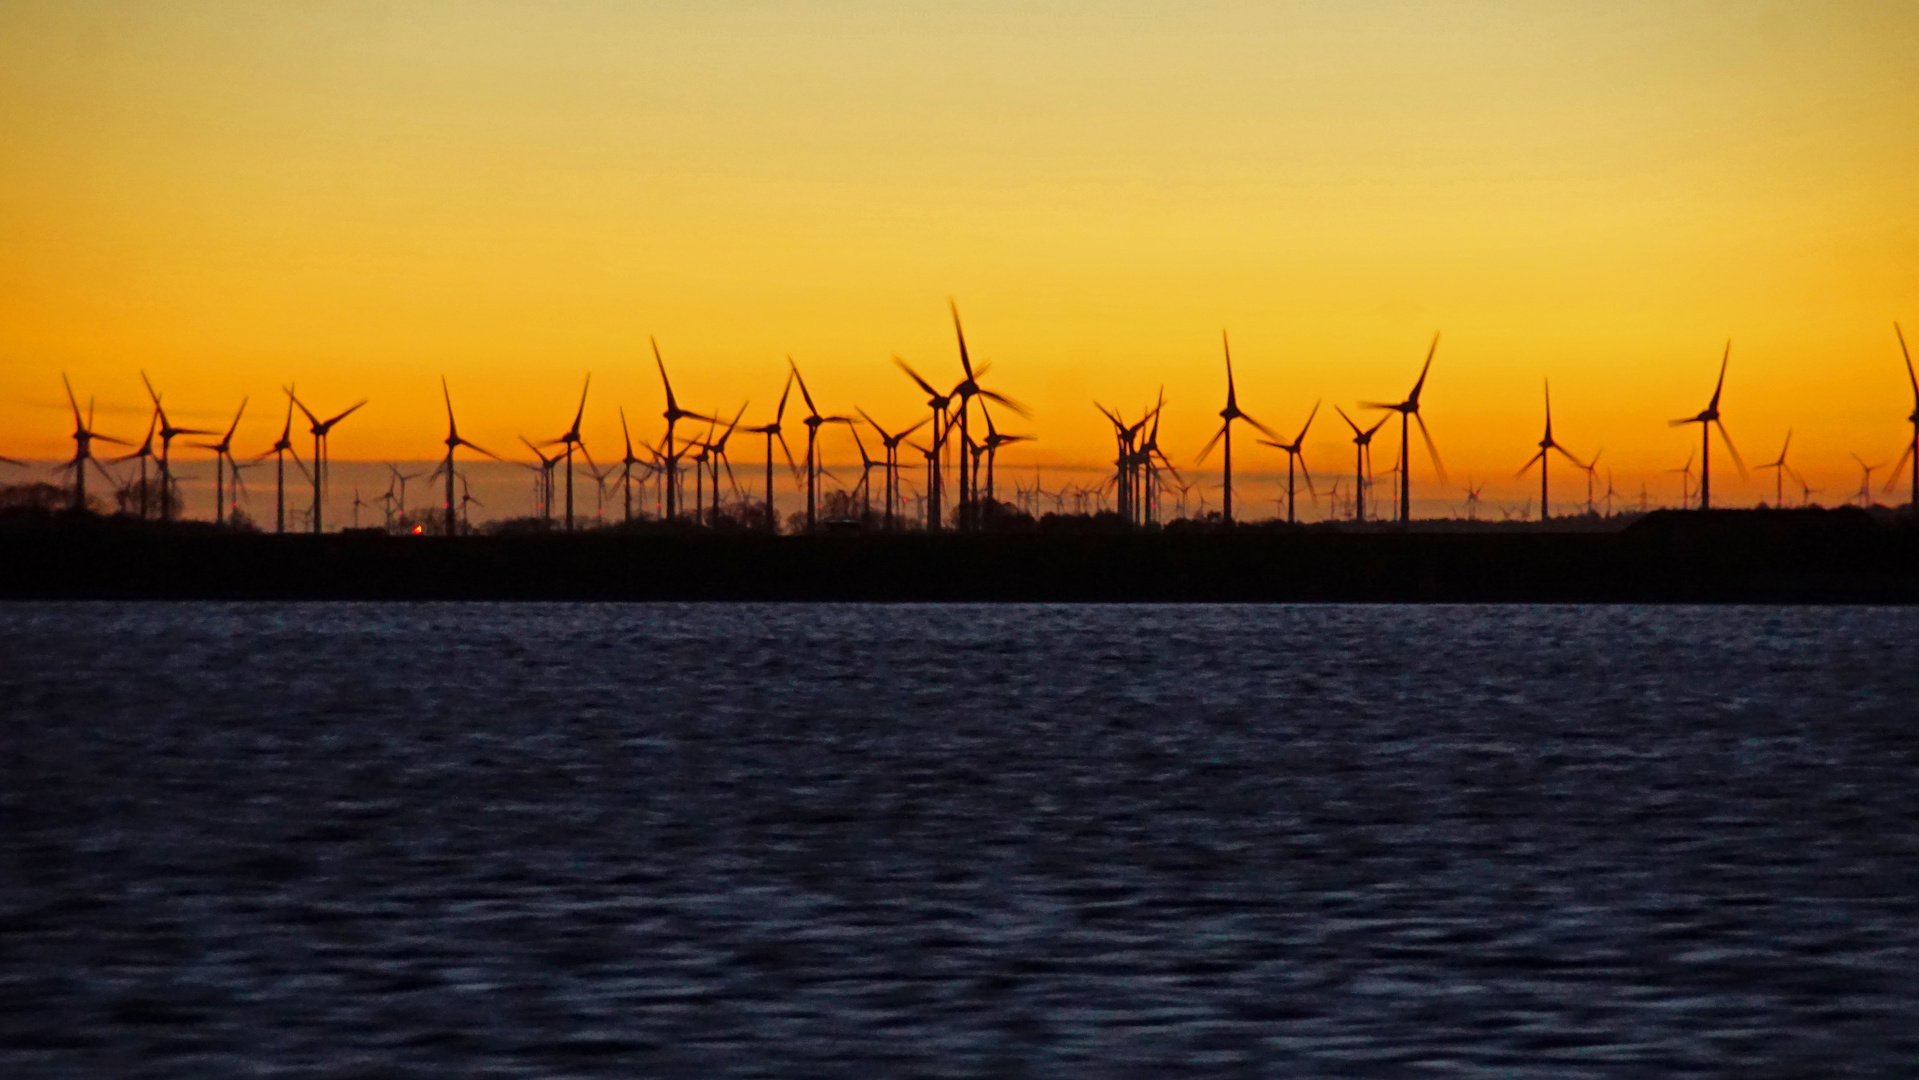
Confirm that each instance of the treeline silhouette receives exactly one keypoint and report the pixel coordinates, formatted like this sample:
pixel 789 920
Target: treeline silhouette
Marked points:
pixel 1837 555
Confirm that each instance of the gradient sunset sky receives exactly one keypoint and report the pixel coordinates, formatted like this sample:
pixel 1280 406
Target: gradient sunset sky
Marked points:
pixel 361 197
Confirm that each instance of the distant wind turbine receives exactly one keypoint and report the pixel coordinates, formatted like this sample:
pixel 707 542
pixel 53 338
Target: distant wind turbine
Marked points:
pixel 1408 411
pixel 1708 419
pixel 321 430
pixel 1546 444
pixel 1224 436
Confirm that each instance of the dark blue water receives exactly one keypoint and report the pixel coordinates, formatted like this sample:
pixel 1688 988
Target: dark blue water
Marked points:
pixel 466 840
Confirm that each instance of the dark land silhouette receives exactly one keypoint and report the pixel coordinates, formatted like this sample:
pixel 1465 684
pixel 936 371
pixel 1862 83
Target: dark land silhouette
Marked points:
pixel 1761 556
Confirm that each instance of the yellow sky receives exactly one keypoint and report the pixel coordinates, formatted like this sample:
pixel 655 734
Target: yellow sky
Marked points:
pixel 361 197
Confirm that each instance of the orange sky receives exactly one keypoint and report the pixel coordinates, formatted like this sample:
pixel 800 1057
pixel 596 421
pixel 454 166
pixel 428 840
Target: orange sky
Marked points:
pixel 361 197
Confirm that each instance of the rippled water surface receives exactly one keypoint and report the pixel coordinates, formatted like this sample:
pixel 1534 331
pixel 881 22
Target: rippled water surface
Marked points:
pixel 559 840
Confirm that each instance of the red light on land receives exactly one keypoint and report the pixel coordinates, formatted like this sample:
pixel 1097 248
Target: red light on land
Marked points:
pixel 418 529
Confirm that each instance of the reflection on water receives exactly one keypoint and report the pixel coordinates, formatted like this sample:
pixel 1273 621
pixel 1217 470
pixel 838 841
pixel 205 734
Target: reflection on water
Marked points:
pixel 845 840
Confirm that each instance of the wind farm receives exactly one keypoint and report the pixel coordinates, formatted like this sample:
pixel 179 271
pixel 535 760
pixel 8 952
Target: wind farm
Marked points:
pixel 957 493
pixel 959 438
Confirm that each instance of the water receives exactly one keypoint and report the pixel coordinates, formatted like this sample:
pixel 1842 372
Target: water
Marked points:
pixel 565 840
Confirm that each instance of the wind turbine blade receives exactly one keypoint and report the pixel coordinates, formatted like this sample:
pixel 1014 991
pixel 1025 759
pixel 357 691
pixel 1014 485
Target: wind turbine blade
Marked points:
pixel 788 451
pixel 1268 432
pixel 1006 401
pixel 1413 398
pixel 671 405
pixel 1303 471
pixel 77 422
pixel 1432 451
pixel 1307 426
pixel 1232 397
pixel 1210 443
pixel 736 423
pixel 1378 405
pixel 1563 452
pixel 780 413
pixel 1721 384
pixel 312 419
pixel 1892 476
pixel 1903 351
pixel 915 376
pixel 577 416
pixel 1683 423
pixel 965 361
pixel 804 395
pixel 1530 462
pixel 236 423
pixel 1348 419
pixel 349 412
pixel 1730 448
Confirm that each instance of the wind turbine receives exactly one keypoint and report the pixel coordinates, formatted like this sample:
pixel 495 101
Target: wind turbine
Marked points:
pixel 1591 469
pixel 1362 456
pixel 545 482
pixel 1707 419
pixel 1546 444
pixel 892 444
pixel 453 441
pixel 966 391
pixel 1911 452
pixel 1472 499
pixel 772 431
pixel 570 440
pixel 141 455
pixel 282 447
pixel 1408 411
pixel 1685 480
pixel 995 440
pixel 813 423
pixel 321 430
pixel 1865 483
pixel 627 461
pixel 222 453
pixel 83 439
pixel 715 451
pixel 466 498
pixel 938 402
pixel 1780 469
pixel 167 433
pixel 1227 415
pixel 401 479
pixel 674 414
pixel 867 465
pixel 1295 455
pixel 1149 449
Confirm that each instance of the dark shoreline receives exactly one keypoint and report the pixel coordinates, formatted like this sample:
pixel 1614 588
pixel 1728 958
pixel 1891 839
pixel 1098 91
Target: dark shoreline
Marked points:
pixel 1830 556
